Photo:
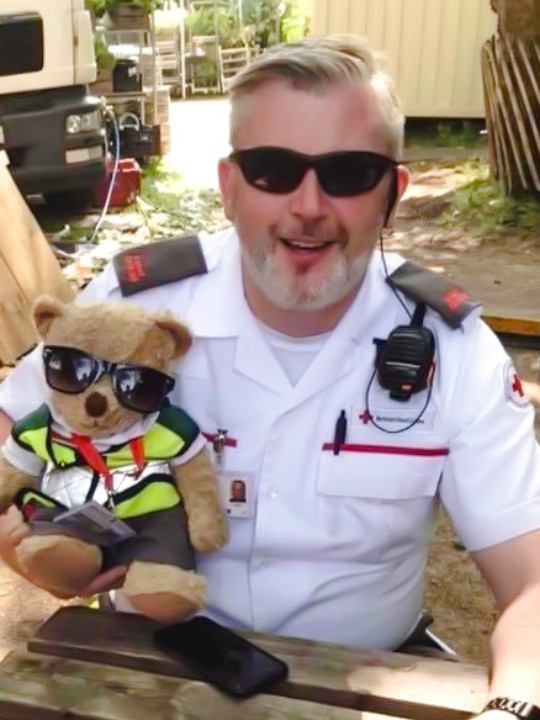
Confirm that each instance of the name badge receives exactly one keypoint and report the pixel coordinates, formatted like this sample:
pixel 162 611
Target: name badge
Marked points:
pixel 394 418
pixel 237 493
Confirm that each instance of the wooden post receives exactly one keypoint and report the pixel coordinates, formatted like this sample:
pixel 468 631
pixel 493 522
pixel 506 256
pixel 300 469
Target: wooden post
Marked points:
pixel 511 76
pixel 28 268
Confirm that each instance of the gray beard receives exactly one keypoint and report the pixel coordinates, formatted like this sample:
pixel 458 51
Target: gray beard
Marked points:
pixel 282 292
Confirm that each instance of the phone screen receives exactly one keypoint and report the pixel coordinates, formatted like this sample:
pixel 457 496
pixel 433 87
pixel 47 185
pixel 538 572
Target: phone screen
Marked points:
pixel 224 658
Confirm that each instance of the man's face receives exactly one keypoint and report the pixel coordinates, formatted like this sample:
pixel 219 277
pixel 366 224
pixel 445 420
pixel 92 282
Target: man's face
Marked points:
pixel 306 249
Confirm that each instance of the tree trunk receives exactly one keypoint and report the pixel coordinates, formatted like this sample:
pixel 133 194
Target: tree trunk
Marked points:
pixel 518 17
pixel 511 74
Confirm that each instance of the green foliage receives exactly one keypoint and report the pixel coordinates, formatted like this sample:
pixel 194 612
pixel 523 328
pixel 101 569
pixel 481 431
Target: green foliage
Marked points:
pixel 264 22
pixel 444 133
pixel 105 60
pixel 481 205
pixel 97 6
pixel 220 21
pixel 295 20
pixel 188 210
pixel 101 6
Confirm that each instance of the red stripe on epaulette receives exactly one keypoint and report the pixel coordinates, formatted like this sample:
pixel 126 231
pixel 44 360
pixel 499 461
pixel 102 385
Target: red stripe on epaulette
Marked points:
pixel 159 263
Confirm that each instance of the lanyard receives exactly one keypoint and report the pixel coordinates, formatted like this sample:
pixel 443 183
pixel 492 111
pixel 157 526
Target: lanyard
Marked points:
pixel 94 460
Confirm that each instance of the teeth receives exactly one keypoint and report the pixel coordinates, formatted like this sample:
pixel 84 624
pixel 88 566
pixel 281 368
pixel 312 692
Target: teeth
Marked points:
pixel 306 246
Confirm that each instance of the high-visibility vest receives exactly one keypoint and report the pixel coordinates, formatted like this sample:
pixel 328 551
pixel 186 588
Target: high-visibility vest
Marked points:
pixel 172 434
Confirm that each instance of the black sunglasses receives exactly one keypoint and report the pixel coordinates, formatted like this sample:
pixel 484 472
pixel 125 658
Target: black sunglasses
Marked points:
pixel 136 387
pixel 341 174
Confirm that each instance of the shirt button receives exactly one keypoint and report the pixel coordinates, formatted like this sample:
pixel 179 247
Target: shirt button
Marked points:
pixel 273 493
pixel 259 563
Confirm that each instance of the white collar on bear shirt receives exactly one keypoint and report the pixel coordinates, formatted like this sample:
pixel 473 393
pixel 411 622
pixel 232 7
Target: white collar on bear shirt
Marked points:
pixel 138 429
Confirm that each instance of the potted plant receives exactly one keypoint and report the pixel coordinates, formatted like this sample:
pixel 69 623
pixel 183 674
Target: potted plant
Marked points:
pixel 131 14
pixel 105 62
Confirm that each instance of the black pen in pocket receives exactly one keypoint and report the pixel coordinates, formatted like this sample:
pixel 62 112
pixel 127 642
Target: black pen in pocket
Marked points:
pixel 340 433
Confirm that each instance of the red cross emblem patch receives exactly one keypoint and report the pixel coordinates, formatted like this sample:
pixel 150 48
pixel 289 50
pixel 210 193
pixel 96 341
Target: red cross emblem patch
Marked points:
pixel 514 388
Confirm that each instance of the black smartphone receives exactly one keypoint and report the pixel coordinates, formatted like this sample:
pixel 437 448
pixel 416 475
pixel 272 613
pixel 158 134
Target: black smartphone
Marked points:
pixel 221 656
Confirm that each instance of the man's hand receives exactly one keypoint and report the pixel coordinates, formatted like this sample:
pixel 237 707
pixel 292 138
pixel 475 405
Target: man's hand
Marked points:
pixel 108 580
pixel 13 529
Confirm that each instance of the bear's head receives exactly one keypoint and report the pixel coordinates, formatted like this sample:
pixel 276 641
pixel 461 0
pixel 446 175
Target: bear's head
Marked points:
pixel 129 345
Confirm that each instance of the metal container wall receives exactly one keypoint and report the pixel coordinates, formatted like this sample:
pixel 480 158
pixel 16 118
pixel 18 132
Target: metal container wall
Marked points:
pixel 430 47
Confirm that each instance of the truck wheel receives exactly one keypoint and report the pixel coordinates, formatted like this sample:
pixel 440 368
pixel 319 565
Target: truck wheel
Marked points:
pixel 69 201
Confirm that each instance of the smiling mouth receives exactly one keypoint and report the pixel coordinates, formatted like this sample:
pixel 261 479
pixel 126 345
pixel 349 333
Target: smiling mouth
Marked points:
pixel 307 246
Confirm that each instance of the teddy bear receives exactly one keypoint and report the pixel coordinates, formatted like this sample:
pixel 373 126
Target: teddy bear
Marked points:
pixel 108 435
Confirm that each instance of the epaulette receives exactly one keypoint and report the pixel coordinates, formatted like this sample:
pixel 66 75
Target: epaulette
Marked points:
pixel 147 266
pixel 446 297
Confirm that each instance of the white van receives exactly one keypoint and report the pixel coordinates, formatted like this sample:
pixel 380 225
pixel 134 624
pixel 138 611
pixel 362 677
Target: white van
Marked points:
pixel 50 125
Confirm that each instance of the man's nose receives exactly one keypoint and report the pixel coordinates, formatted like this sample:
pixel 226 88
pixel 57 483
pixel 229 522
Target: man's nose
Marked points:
pixel 308 199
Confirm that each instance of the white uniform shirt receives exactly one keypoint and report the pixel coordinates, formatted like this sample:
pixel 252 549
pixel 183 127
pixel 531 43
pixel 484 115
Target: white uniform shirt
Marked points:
pixel 336 547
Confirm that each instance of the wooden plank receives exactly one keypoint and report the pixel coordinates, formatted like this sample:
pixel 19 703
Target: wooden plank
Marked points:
pixel 382 682
pixel 513 325
pixel 505 171
pixel 28 268
pixel 50 688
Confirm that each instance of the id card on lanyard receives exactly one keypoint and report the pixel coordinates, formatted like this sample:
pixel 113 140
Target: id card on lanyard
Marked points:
pixel 236 487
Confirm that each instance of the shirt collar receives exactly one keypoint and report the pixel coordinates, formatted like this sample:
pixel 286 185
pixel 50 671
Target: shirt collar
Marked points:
pixel 219 309
pixel 138 429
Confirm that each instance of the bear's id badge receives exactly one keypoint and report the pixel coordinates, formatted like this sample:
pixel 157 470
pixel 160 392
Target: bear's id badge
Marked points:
pixel 237 493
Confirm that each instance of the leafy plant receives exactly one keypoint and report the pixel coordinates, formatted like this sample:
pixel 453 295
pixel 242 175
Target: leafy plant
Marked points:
pixel 482 206
pixel 264 22
pixel 105 60
pixel 444 133
pixel 295 20
pixel 101 6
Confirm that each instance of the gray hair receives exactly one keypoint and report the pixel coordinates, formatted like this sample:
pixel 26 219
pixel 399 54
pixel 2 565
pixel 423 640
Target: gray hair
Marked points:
pixel 316 62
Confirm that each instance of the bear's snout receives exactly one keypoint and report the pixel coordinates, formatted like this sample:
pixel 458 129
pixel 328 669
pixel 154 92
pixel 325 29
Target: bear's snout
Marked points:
pixel 96 405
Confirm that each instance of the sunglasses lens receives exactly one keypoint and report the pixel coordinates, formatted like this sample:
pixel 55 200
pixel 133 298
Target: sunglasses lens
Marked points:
pixel 141 389
pixel 68 370
pixel 272 170
pixel 351 173
pixel 341 174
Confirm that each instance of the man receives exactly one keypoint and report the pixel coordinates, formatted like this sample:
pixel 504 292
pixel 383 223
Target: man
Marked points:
pixel 342 479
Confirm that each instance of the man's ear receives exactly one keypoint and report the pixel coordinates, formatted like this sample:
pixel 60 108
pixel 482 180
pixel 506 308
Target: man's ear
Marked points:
pixel 227 185
pixel 397 189
pixel 179 333
pixel 44 310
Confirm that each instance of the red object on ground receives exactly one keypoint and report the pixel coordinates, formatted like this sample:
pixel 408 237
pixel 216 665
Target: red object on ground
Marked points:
pixel 127 184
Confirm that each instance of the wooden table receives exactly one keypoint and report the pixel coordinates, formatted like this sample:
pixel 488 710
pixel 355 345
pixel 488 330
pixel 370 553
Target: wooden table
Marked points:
pixel 86 664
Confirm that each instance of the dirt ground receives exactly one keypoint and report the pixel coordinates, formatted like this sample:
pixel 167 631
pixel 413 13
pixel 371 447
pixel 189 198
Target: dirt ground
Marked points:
pixel 501 272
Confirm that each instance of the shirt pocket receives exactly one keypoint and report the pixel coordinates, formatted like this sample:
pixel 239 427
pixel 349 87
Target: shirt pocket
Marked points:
pixel 381 473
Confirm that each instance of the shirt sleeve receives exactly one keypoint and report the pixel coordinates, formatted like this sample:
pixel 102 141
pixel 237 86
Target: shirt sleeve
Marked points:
pixel 25 388
pixel 183 426
pixel 491 484
pixel 24 460
pixel 198 444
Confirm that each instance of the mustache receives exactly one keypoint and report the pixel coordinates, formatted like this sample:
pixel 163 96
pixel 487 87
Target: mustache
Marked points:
pixel 310 230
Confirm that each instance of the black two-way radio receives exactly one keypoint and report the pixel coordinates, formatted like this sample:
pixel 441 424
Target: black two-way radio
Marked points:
pixel 404 362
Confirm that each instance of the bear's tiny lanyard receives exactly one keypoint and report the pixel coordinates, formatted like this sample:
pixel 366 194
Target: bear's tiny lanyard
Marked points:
pixel 94 460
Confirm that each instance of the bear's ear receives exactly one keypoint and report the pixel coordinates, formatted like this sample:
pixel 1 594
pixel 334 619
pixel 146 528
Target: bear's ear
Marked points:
pixel 179 333
pixel 44 310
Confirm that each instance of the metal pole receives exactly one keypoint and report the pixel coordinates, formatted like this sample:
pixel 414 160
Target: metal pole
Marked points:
pixel 154 66
pixel 183 47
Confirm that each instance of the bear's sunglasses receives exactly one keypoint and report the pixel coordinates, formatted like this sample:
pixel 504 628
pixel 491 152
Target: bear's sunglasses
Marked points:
pixel 136 387
pixel 341 174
